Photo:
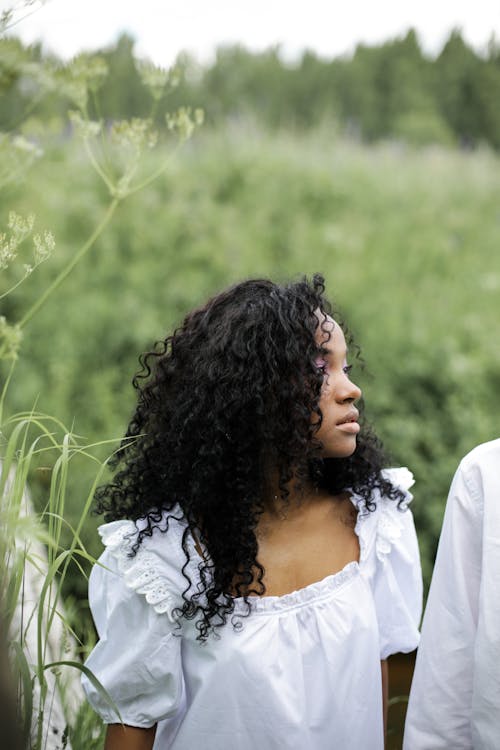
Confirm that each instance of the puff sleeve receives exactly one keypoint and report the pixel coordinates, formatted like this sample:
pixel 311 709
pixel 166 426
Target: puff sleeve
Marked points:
pixel 138 656
pixel 390 559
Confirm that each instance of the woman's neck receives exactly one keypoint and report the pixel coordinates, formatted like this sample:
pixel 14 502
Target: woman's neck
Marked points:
pixel 298 498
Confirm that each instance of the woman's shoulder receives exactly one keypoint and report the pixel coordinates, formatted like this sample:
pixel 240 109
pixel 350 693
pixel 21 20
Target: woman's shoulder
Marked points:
pixel 390 561
pixel 147 557
pixel 383 525
pixel 160 532
pixel 401 478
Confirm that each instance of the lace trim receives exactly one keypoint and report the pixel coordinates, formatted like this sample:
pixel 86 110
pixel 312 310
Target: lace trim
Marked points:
pixel 389 529
pixel 400 477
pixel 387 516
pixel 140 572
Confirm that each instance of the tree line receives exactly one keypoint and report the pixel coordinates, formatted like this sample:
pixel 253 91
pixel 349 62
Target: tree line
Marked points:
pixel 392 90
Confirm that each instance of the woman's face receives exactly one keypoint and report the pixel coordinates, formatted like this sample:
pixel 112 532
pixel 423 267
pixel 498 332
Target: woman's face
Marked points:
pixel 340 417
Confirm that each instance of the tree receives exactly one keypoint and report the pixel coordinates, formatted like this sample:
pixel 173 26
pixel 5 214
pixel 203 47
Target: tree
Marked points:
pixel 455 73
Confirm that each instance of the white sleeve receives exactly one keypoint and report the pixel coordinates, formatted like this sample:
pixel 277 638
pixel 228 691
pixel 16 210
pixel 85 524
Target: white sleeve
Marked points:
pixel 396 573
pixel 484 479
pixel 138 657
pixel 439 710
pixel 390 559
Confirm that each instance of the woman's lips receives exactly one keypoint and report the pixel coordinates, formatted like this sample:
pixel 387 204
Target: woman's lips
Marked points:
pixel 352 427
pixel 350 422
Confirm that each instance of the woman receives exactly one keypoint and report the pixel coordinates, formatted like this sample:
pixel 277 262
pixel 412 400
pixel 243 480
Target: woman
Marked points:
pixel 259 561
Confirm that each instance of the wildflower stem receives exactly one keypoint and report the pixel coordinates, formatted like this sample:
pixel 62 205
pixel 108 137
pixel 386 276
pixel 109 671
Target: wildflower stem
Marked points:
pixel 152 177
pixel 10 24
pixel 73 262
pixel 12 288
pixel 100 171
pixel 8 177
pixel 19 119
pixel 5 387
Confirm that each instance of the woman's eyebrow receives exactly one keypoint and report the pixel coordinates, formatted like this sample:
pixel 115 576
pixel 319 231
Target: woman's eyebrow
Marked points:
pixel 326 350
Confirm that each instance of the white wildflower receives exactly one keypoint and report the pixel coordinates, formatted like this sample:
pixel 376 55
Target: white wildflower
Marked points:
pixel 44 245
pixel 25 146
pixel 85 72
pixel 10 339
pixel 183 122
pixel 136 133
pixel 7 253
pixel 85 128
pixel 20 226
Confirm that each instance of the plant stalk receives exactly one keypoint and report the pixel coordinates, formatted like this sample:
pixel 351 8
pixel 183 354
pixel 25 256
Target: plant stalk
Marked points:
pixel 73 262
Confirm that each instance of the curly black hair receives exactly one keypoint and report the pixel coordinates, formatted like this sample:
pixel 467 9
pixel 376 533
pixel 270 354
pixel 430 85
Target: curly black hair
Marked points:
pixel 224 401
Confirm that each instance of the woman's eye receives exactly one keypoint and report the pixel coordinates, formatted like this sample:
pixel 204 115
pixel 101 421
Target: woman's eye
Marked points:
pixel 347 369
pixel 320 363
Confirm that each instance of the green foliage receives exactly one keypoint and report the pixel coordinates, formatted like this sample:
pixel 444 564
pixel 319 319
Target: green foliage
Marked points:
pixel 422 129
pixel 87 732
pixel 32 575
pixel 406 239
pixel 382 91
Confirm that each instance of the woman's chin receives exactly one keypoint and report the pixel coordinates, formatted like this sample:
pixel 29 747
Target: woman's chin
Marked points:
pixel 343 451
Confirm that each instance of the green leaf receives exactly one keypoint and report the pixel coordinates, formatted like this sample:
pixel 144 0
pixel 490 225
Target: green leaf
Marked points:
pixel 92 679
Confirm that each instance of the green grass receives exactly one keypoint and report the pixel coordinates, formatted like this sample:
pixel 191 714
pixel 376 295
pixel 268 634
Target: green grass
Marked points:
pixel 37 551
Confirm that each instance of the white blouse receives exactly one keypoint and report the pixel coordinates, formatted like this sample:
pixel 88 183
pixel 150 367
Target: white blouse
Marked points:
pixel 301 672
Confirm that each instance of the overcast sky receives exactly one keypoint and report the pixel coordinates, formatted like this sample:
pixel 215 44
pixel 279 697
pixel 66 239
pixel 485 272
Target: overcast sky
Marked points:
pixel 162 27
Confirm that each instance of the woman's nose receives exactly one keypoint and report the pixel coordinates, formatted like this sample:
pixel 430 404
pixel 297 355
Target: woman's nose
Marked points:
pixel 350 393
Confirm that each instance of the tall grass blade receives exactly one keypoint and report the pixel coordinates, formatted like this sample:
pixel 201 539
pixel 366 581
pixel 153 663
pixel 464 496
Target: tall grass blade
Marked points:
pixel 27 688
pixel 92 679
